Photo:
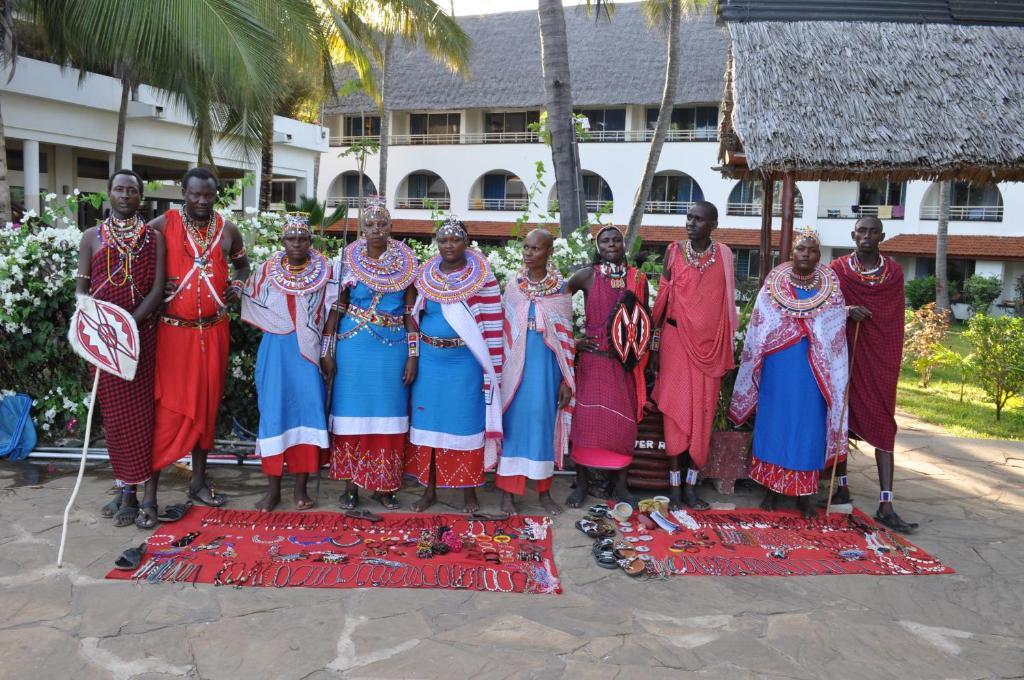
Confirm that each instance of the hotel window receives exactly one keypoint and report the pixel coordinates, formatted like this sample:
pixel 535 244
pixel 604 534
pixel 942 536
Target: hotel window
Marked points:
pixel 882 192
pixel 511 121
pixel 362 126
pixel 434 123
pixel 702 120
pixel 283 191
pixel 603 121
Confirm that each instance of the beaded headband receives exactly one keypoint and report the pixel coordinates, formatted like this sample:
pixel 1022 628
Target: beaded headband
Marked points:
pixel 376 208
pixel 610 226
pixel 296 224
pixel 452 226
pixel 807 233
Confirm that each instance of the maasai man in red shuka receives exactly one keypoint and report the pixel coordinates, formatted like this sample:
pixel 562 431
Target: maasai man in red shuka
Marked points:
pixel 193 338
pixel 122 261
pixel 873 287
pixel 537 380
pixel 694 319
pixel 609 398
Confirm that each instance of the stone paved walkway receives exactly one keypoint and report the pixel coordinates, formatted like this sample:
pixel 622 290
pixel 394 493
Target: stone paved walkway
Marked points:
pixel 968 495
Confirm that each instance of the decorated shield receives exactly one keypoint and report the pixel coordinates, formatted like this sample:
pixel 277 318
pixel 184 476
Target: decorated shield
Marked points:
pixel 106 336
pixel 631 334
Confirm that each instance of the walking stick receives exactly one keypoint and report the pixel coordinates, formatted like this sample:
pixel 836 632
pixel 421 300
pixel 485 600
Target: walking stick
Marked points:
pixel 846 404
pixel 81 469
pixel 330 381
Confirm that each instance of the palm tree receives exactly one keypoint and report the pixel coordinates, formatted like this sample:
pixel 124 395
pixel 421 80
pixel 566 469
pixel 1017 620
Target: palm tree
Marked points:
pixel 941 243
pixel 666 14
pixel 8 55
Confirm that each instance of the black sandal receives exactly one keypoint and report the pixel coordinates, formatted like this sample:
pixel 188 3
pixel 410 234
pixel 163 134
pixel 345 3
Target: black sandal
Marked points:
pixel 147 515
pixel 130 558
pixel 363 514
pixel 388 500
pixel 896 523
pixel 126 516
pixel 110 509
pixel 211 501
pixel 349 500
pixel 173 513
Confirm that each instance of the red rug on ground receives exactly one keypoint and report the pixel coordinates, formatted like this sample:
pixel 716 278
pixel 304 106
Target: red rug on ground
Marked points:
pixel 243 548
pixel 753 542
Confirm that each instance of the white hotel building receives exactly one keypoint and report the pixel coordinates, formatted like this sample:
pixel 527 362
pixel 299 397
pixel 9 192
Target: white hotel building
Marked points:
pixel 465 145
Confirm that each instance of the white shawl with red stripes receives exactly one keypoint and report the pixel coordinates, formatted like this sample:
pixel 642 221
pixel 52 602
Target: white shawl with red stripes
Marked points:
pixel 552 316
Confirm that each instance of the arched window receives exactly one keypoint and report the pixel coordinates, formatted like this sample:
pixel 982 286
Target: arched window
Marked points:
pixel 423 189
pixel 968 202
pixel 498 190
pixel 673 192
pixel 745 200
pixel 345 189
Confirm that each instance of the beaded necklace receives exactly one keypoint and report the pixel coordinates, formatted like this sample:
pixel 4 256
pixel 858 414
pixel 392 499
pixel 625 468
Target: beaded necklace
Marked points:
pixel 700 261
pixel 779 285
pixel 127 238
pixel 201 234
pixel 872 276
pixel 391 273
pixel 616 273
pixel 302 279
pixel 551 284
pixel 458 286
pixel 810 282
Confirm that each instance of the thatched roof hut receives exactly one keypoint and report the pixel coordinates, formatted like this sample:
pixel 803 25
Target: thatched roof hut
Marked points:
pixel 844 100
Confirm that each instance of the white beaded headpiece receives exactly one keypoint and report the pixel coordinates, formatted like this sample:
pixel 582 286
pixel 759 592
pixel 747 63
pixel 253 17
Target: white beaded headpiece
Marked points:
pixel 452 226
pixel 807 233
pixel 296 224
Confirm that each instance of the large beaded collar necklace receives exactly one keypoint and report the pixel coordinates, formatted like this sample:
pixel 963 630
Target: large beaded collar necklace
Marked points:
pixel 615 273
pixel 873 276
pixel 702 260
pixel 301 280
pixel 551 284
pixel 781 291
pixel 458 286
pixel 391 273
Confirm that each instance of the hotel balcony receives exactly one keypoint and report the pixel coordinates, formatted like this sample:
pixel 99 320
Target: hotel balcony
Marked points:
pixel 853 212
pixel 349 140
pixel 966 213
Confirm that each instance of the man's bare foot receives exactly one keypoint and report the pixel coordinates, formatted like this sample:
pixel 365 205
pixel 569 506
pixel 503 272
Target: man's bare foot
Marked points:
pixel 269 501
pixel 508 504
pixel 549 504
pixel 428 498
pixel 839 497
pixel 692 500
pixel 806 508
pixel 675 498
pixel 470 502
pixel 771 501
pixel 577 497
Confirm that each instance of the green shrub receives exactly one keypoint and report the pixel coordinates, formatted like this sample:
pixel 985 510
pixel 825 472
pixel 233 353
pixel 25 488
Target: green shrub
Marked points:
pixel 998 356
pixel 981 292
pixel 920 292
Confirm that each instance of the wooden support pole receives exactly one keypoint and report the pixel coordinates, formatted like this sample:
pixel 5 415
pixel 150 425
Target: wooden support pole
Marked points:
pixel 767 189
pixel 788 212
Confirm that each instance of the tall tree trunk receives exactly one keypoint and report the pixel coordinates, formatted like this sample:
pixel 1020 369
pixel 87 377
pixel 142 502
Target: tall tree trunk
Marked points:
pixel 266 166
pixel 668 98
pixel 122 123
pixel 941 245
pixel 572 208
pixel 5 185
pixel 362 178
pixel 385 127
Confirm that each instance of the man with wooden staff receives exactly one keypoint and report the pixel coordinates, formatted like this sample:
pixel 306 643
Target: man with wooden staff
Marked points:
pixel 872 285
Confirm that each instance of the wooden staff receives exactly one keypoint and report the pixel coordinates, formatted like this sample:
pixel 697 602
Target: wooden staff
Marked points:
pixel 846 404
pixel 81 469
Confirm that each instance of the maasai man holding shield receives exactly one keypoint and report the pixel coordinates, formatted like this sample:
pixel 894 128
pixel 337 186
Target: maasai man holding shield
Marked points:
pixel 122 261
pixel 455 429
pixel 610 390
pixel 537 380
pixel 793 372
pixel 193 338
pixel 288 298
pixel 872 285
pixel 694 319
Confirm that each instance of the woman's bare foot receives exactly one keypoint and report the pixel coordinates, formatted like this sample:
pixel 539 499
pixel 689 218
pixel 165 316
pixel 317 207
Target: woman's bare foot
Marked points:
pixel 301 497
pixel 269 501
pixel 508 504
pixel 806 507
pixel 577 497
pixel 771 500
pixel 549 504
pixel 470 502
pixel 428 498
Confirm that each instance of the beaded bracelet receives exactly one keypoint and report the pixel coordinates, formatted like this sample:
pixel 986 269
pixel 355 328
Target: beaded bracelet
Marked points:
pixel 240 254
pixel 239 284
pixel 83 276
pixel 408 310
pixel 342 308
pixel 414 344
pixel 325 345
pixel 656 340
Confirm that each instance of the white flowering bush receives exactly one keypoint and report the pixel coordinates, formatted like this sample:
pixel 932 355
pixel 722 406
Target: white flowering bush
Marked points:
pixel 38 260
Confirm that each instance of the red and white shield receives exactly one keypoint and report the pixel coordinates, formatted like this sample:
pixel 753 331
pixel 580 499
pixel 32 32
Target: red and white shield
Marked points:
pixel 106 336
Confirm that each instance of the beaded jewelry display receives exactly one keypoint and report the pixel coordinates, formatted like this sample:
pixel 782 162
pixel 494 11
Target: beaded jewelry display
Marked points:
pixel 780 285
pixel 702 260
pixel 455 287
pixel 551 284
pixel 391 273
pixel 127 238
pixel 615 273
pixel 301 280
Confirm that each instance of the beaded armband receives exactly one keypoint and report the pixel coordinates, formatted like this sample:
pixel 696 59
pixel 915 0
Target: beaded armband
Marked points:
pixel 83 276
pixel 342 308
pixel 408 310
pixel 656 340
pixel 240 254
pixel 239 284
pixel 414 344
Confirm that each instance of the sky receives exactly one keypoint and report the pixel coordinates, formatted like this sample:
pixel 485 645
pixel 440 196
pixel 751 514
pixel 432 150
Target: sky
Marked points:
pixel 471 7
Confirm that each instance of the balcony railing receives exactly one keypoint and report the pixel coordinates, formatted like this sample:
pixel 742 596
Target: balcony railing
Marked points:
pixel 442 138
pixel 526 137
pixel 754 209
pixel 350 140
pixel 668 207
pixel 697 135
pixel 499 203
pixel 966 213
pixel 421 202
pixel 852 212
pixel 593 205
pixel 350 201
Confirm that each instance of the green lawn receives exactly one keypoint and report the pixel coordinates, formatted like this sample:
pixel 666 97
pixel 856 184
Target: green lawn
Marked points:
pixel 940 403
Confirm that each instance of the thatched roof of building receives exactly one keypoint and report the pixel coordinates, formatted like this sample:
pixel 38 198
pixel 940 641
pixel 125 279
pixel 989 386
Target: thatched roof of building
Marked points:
pixel 836 100
pixel 612 63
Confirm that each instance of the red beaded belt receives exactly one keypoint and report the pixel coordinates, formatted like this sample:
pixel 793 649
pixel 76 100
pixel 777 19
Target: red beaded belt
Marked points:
pixel 442 343
pixel 376 318
pixel 205 322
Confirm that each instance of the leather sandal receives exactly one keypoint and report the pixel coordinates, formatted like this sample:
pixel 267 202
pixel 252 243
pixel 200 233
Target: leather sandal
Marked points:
pixel 130 558
pixel 896 523
pixel 173 513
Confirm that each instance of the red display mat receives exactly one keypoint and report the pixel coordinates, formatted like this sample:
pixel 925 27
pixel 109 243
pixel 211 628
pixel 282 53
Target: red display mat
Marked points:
pixel 753 542
pixel 243 548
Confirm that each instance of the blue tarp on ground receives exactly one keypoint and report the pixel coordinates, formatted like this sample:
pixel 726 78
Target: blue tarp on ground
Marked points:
pixel 17 431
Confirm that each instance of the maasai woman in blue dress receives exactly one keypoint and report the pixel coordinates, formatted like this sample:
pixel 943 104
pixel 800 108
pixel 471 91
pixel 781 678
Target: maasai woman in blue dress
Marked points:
pixel 375 364
pixel 456 404
pixel 793 372
pixel 288 298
